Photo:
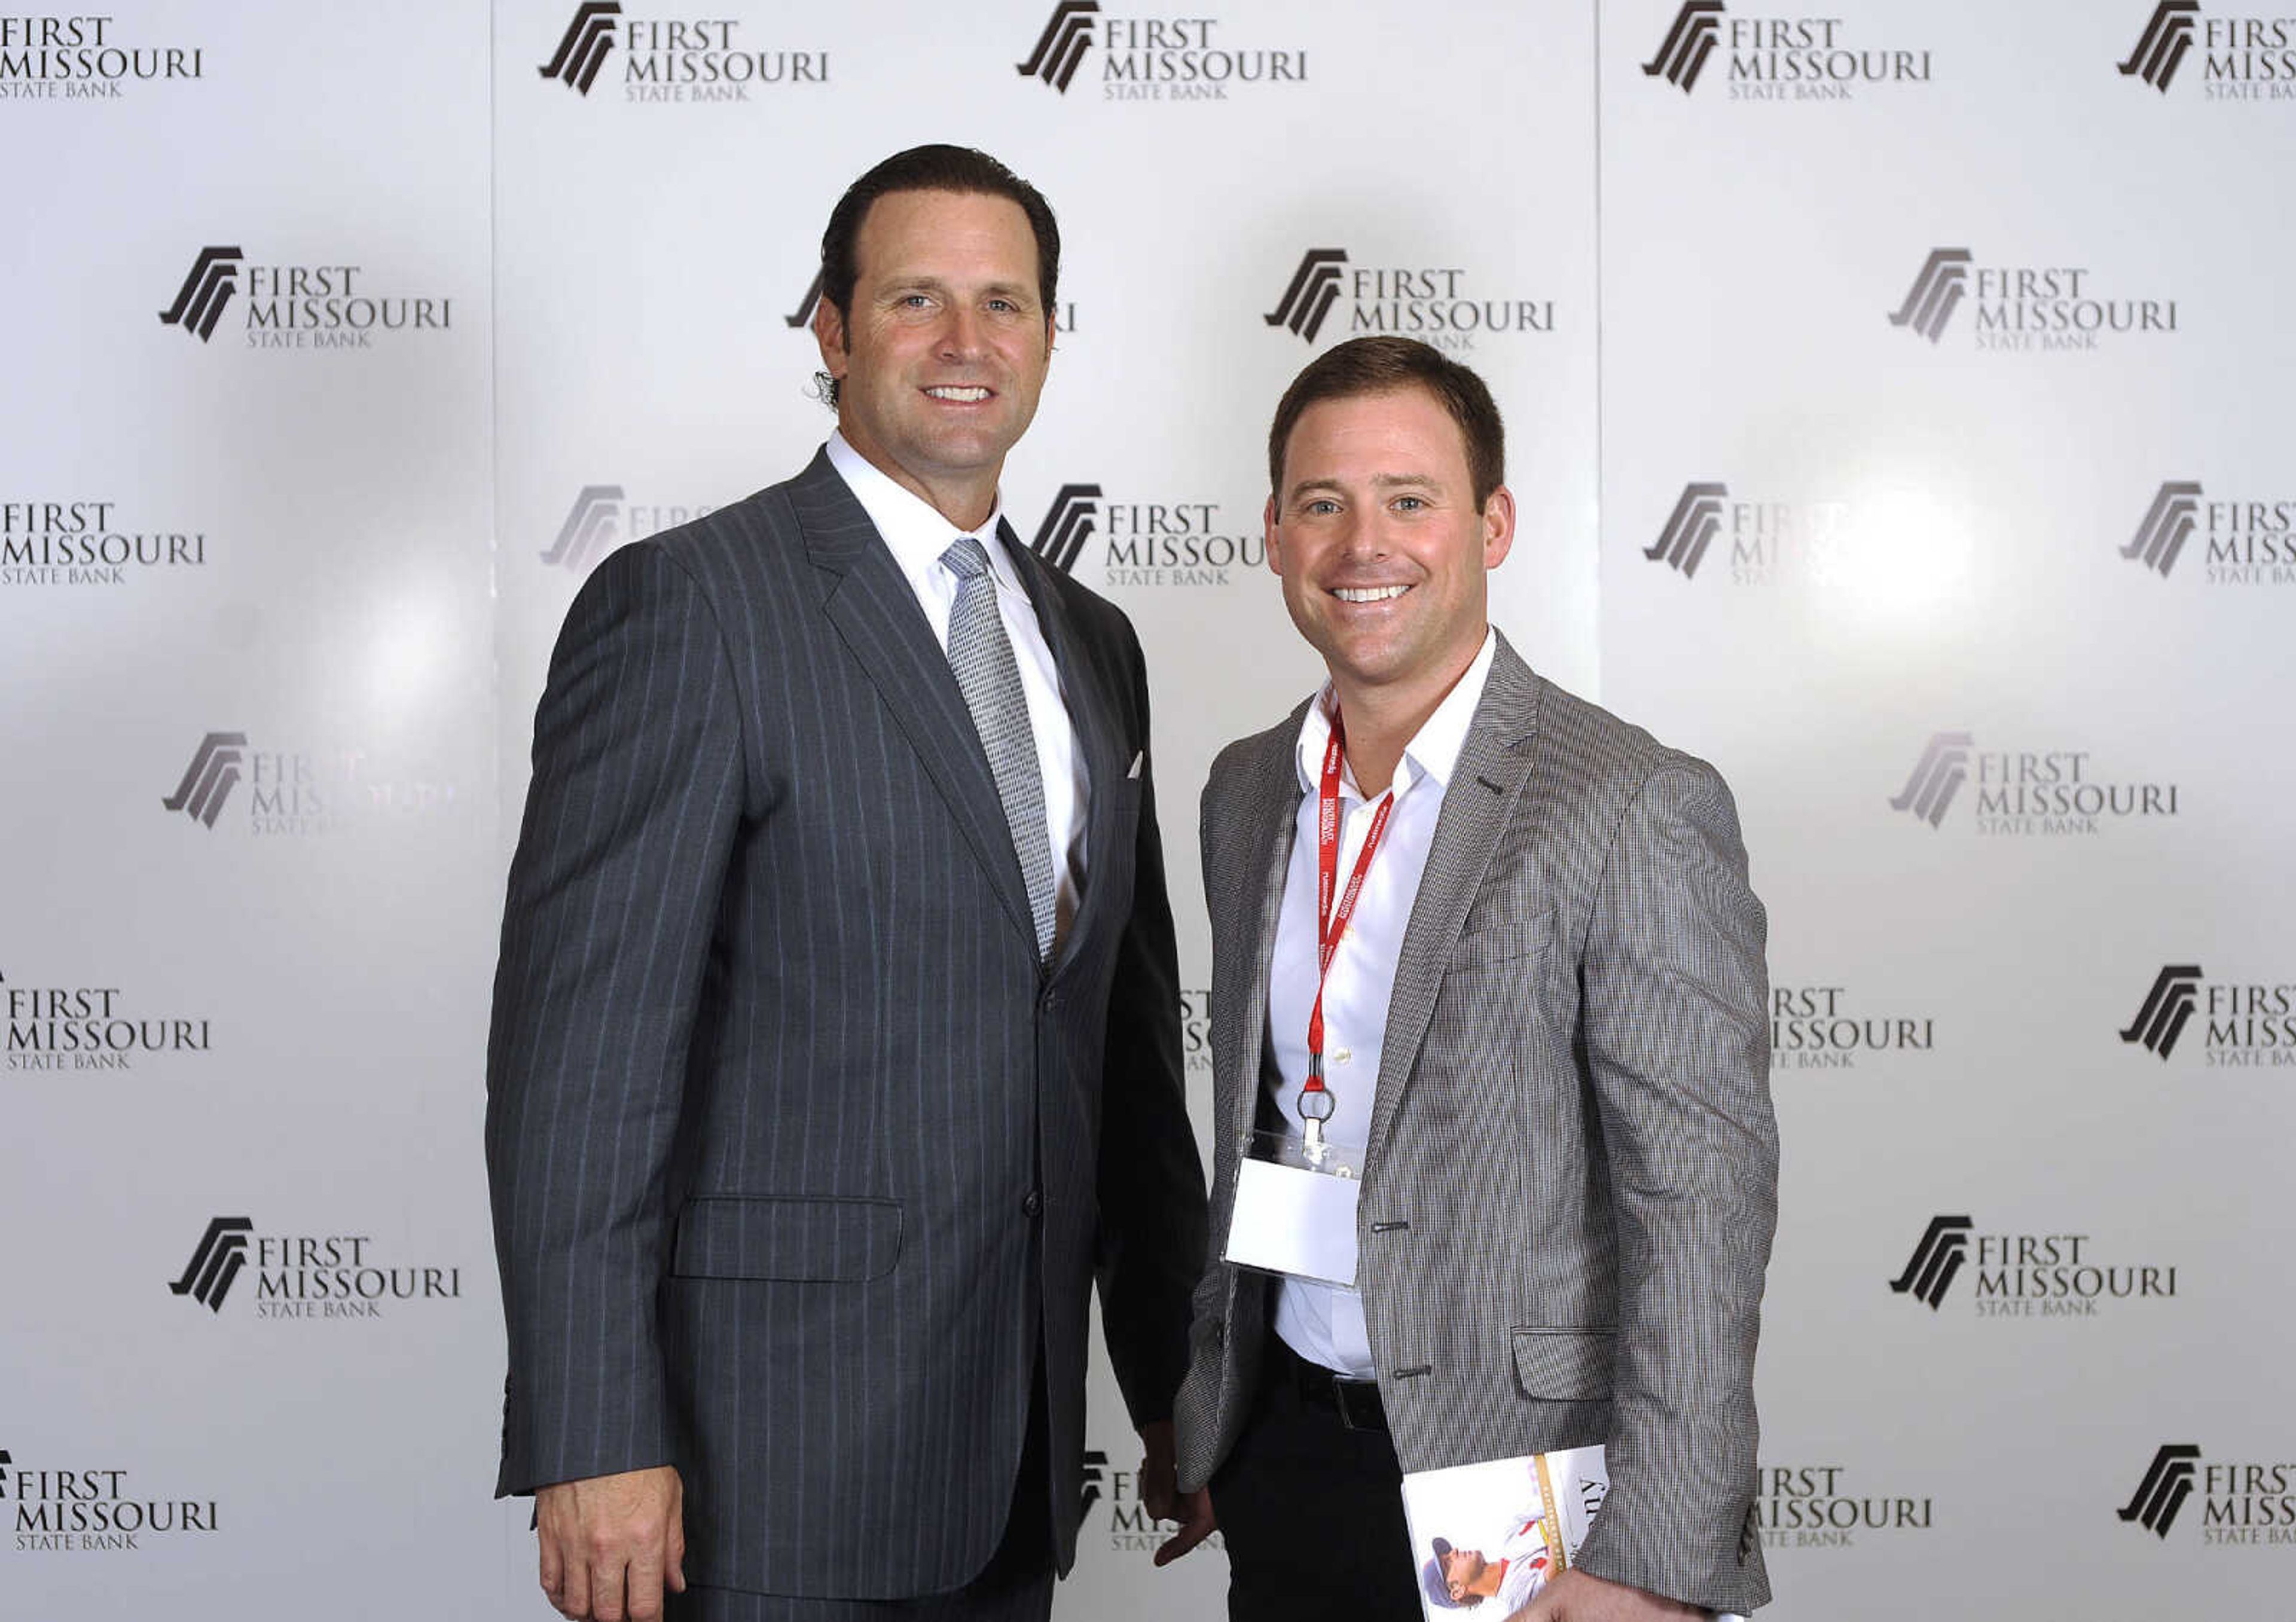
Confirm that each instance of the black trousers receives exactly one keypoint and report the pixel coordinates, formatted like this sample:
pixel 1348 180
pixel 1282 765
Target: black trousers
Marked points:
pixel 1311 1508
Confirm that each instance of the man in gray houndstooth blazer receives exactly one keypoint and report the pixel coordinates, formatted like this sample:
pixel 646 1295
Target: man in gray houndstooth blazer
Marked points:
pixel 836 1032
pixel 1545 1024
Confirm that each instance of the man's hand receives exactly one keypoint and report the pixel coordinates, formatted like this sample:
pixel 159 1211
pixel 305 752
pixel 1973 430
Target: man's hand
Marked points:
pixel 1161 1495
pixel 1581 1596
pixel 611 1542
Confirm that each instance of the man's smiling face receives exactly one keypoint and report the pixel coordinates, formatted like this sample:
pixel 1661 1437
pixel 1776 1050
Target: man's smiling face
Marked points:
pixel 941 357
pixel 1376 532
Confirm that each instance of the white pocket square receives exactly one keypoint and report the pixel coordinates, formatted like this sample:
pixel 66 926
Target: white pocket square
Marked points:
pixel 1134 772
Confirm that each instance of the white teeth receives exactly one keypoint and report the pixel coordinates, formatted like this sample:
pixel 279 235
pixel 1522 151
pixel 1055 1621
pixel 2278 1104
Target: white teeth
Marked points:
pixel 959 394
pixel 1370 593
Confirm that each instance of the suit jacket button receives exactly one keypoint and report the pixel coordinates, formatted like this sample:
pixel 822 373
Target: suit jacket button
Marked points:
pixel 1034 1206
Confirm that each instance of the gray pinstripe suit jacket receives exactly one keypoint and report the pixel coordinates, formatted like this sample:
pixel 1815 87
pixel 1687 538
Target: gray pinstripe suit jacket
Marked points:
pixel 799 1163
pixel 1571 1184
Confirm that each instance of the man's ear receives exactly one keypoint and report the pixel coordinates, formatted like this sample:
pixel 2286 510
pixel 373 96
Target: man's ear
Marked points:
pixel 1274 536
pixel 829 333
pixel 1499 527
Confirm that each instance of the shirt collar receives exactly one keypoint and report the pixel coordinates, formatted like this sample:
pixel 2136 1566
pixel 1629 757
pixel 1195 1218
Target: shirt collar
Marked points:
pixel 1433 751
pixel 911 526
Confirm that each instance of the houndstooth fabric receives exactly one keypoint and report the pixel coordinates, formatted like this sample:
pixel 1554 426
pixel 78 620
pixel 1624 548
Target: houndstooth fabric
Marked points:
pixel 986 674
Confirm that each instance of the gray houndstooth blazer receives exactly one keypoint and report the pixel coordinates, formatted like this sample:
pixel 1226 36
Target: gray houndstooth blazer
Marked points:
pixel 1571 1184
pixel 800 1168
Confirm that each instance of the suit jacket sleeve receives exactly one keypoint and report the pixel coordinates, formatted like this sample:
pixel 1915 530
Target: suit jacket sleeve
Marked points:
pixel 1152 1182
pixel 635 796
pixel 1675 994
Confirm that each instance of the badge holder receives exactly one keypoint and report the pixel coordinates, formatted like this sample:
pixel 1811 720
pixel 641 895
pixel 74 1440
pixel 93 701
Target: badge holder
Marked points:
pixel 1295 1202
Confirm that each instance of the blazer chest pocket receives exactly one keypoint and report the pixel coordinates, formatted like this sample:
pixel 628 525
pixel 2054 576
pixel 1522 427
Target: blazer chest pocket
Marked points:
pixel 816 1241
pixel 1501 940
pixel 1565 1365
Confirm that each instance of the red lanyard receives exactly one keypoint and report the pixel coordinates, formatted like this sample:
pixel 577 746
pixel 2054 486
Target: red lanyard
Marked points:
pixel 1331 922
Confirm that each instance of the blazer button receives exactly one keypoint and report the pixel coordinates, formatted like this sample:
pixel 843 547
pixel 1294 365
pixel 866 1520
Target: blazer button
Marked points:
pixel 1034 1206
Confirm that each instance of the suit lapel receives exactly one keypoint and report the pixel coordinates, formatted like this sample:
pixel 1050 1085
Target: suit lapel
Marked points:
pixel 870 602
pixel 1099 738
pixel 1477 806
pixel 1271 816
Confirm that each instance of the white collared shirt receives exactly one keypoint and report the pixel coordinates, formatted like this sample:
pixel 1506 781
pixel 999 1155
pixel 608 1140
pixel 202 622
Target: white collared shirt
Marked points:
pixel 1324 1322
pixel 917 535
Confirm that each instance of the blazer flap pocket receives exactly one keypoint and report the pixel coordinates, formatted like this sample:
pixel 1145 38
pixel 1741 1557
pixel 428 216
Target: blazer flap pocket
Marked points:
pixel 799 1240
pixel 1565 1365
pixel 1500 941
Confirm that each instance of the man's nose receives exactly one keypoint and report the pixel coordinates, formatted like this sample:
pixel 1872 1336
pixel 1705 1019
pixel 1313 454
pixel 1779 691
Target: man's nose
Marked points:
pixel 1363 537
pixel 961 333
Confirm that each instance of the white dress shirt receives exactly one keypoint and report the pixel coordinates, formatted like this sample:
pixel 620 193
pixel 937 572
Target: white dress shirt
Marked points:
pixel 917 535
pixel 1324 1322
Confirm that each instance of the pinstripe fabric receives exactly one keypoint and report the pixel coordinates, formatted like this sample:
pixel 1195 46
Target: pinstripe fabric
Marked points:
pixel 1570 1185
pixel 774 1073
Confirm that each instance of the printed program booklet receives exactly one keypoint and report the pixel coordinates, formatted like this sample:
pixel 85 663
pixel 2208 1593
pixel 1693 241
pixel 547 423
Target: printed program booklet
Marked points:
pixel 1500 1531
pixel 1497 1532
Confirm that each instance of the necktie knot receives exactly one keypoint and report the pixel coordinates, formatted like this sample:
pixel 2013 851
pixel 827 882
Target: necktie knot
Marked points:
pixel 965 558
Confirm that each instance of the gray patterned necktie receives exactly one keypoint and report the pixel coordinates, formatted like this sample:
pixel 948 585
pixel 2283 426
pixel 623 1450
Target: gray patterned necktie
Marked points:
pixel 982 655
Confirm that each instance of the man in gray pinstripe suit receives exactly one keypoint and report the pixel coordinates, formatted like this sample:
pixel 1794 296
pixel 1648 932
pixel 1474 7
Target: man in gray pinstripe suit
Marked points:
pixel 836 1044
pixel 1541 1018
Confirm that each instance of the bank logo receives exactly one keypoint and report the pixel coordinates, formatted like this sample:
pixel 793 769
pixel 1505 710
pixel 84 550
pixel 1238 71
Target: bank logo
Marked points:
pixel 1095 1477
pixel 1691 528
pixel 81 543
pixel 329 1277
pixel 2168 1481
pixel 1937 776
pixel 304 792
pixel 89 1027
pixel 1069 524
pixel 1061 47
pixel 1314 288
pixel 2028 791
pixel 1440 305
pixel 215 1262
pixel 330 304
pixel 91 1509
pixel 583 48
pixel 604 516
pixel 1943 1248
pixel 2028 309
pixel 83 58
pixel 1689 43
pixel 803 315
pixel 1936 292
pixel 1827 1027
pixel 1813 1506
pixel 209 780
pixel 2168 525
pixel 596 517
pixel 2167 37
pixel 2167 1009
pixel 200 302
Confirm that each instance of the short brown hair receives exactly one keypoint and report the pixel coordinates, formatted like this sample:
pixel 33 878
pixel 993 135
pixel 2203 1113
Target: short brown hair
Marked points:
pixel 1387 366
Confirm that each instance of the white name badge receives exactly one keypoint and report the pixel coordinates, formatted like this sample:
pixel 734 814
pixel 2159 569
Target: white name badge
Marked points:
pixel 1292 1220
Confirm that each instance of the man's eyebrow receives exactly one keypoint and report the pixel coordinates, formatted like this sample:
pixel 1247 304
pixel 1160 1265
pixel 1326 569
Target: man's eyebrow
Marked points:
pixel 1378 481
pixel 926 282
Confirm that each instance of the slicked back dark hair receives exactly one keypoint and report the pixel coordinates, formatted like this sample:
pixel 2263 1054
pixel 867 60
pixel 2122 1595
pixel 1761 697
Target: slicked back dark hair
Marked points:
pixel 1388 366
pixel 959 170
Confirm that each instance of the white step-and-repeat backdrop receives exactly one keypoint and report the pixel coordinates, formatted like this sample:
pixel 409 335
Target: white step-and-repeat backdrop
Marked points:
pixel 1901 417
